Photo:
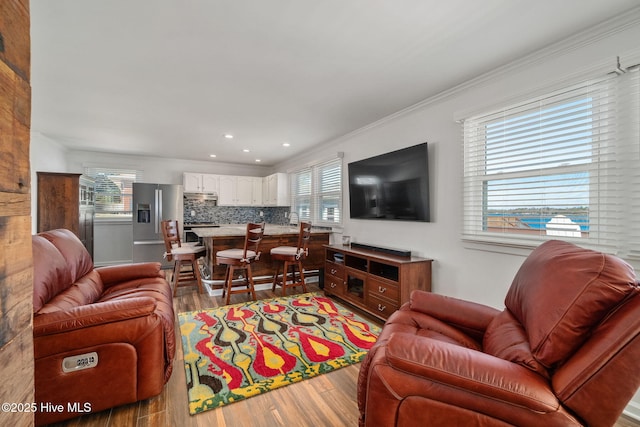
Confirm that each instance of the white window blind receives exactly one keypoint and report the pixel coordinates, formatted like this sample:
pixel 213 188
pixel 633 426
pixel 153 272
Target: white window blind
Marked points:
pixel 316 192
pixel 554 167
pixel 629 100
pixel 114 190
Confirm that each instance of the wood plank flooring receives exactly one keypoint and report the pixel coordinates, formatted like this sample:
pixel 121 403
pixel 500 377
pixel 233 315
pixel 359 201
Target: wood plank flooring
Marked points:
pixel 327 400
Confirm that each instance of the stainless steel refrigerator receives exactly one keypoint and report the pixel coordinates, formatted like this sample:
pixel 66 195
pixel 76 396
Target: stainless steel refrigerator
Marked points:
pixel 153 203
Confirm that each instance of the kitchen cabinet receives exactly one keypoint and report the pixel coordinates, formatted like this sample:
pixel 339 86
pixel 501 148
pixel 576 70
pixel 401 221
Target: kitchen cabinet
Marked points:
pixel 239 191
pixel 276 190
pixel 244 190
pixel 200 182
pixel 257 196
pixel 228 189
pixel 231 190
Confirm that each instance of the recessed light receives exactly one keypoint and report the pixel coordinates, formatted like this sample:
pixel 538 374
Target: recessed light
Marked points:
pixel 286 144
pixel 258 160
pixel 212 155
pixel 246 150
pixel 228 136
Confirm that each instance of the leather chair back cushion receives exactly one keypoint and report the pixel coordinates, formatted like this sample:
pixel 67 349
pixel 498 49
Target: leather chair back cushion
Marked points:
pixel 506 338
pixel 75 254
pixel 561 292
pixel 59 260
pixel 50 273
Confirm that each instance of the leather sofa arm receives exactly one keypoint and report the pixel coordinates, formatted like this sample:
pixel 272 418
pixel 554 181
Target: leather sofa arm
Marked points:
pixel 92 315
pixel 473 318
pixel 466 369
pixel 115 274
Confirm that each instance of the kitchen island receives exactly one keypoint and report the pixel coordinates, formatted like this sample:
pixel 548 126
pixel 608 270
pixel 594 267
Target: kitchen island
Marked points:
pixel 232 236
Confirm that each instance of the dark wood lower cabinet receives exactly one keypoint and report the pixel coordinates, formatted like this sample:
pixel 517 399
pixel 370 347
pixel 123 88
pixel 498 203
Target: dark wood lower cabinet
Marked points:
pixel 374 282
pixel 265 267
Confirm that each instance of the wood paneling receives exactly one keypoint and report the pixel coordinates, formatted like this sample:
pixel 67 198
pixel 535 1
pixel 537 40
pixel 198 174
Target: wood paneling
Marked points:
pixel 16 283
pixel 15 38
pixel 14 132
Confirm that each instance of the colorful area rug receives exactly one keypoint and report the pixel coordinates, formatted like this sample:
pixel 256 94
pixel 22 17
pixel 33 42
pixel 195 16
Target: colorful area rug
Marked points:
pixel 242 350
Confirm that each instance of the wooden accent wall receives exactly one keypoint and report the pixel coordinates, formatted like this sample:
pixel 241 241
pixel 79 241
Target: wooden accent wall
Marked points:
pixel 16 283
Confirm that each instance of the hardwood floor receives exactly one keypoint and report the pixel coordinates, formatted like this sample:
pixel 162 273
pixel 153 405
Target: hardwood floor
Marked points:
pixel 326 400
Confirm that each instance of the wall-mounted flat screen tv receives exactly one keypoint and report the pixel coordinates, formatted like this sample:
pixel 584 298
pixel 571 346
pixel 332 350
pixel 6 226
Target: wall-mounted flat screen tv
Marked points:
pixel 391 186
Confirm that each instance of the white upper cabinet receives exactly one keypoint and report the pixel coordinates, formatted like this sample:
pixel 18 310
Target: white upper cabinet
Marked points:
pixel 276 190
pixel 200 182
pixel 244 190
pixel 256 191
pixel 192 182
pixel 210 183
pixel 240 191
pixel 227 193
pixel 232 190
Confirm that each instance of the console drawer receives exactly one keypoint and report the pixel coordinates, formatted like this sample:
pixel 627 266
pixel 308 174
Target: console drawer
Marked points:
pixel 379 288
pixel 381 307
pixel 334 269
pixel 333 284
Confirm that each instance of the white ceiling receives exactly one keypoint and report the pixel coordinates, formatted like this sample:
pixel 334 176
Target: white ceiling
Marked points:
pixel 169 77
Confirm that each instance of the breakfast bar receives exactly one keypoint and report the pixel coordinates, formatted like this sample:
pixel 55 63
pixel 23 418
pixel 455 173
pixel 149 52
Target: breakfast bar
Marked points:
pixel 232 236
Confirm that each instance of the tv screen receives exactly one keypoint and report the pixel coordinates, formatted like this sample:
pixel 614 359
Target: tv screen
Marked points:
pixel 391 186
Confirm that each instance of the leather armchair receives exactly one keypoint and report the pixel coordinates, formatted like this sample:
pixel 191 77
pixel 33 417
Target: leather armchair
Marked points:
pixel 103 337
pixel 564 350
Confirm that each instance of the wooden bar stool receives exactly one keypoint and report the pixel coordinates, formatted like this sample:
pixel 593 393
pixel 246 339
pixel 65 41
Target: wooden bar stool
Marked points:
pixel 240 259
pixel 182 255
pixel 292 256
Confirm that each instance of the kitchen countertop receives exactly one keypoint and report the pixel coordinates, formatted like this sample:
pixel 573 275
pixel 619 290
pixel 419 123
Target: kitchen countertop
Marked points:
pixel 231 230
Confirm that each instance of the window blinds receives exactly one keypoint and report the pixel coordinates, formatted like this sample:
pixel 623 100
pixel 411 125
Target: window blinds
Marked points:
pixel 113 190
pixel 316 192
pixel 629 116
pixel 556 167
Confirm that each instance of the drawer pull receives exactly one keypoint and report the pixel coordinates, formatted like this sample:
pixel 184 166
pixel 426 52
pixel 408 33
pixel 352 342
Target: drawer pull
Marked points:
pixel 381 307
pixel 334 271
pixel 333 285
pixel 381 289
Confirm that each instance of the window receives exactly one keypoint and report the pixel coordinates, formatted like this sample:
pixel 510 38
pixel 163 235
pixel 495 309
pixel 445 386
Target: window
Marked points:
pixel 114 191
pixel 316 193
pixel 558 166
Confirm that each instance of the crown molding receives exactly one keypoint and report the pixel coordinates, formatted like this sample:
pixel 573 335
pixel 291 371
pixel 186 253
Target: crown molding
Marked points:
pixel 579 40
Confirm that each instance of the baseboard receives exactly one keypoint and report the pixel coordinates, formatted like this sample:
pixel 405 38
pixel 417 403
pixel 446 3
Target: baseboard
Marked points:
pixel 259 287
pixel 632 410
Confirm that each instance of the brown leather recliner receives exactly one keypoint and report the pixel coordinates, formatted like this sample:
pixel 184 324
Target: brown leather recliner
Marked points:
pixel 102 337
pixel 564 351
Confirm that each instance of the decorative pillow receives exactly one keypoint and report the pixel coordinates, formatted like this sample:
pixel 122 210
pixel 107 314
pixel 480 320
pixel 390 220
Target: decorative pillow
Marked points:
pixel 506 338
pixel 561 292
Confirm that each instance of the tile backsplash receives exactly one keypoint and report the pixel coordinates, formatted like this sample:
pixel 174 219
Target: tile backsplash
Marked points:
pixel 207 211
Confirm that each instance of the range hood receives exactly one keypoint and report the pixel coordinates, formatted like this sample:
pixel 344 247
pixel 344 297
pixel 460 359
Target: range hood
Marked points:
pixel 201 196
